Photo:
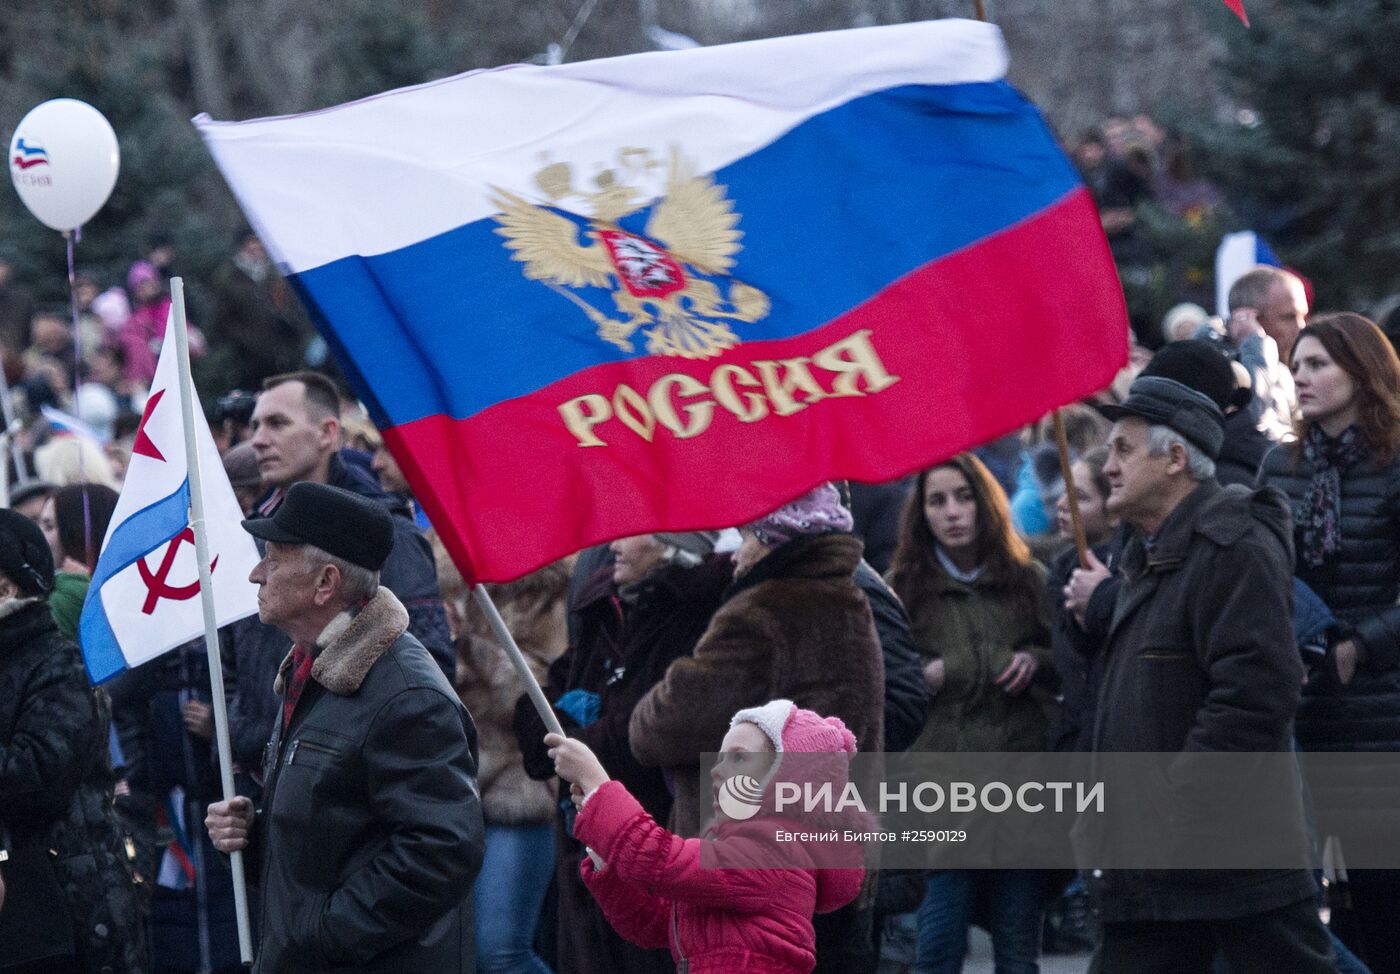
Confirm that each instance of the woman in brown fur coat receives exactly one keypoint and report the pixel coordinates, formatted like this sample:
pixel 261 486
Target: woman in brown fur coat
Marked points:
pixel 794 625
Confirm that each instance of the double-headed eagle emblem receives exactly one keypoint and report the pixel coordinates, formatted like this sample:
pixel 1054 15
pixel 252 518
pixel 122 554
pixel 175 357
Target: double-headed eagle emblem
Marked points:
pixel 671 280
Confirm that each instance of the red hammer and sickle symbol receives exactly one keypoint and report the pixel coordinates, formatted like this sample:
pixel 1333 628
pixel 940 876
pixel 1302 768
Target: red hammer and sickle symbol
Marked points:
pixel 157 586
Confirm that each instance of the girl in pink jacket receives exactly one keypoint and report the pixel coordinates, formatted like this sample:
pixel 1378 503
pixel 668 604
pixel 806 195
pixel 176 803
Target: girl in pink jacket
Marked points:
pixel 739 900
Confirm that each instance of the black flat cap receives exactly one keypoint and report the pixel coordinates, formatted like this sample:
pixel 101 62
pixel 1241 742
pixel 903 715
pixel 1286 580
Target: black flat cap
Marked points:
pixel 1167 402
pixel 337 521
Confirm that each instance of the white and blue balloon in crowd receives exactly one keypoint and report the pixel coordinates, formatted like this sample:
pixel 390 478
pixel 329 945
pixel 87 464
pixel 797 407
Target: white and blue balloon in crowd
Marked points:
pixel 64 160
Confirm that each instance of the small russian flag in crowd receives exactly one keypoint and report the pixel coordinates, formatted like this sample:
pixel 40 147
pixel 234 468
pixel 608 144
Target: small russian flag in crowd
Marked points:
pixel 144 597
pixel 674 290
pixel 67 423
pixel 1237 255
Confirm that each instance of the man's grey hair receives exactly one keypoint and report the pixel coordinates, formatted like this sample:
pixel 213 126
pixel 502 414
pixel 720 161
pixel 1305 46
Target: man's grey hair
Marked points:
pixel 357 583
pixel 1252 289
pixel 1159 443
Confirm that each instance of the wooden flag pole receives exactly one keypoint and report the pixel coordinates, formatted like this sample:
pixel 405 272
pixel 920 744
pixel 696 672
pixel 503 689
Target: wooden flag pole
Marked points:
pixel 1081 544
pixel 522 668
pixel 206 597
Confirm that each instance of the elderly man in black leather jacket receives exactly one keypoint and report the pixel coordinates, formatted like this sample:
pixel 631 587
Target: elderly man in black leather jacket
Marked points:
pixel 296 437
pixel 370 833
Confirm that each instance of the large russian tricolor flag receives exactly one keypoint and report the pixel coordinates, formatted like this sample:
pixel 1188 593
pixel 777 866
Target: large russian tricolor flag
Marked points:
pixel 673 290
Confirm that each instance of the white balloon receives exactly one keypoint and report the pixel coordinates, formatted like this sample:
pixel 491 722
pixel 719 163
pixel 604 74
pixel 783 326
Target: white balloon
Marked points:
pixel 63 162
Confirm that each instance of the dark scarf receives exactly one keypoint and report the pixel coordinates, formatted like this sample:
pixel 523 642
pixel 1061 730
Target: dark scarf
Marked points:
pixel 1321 517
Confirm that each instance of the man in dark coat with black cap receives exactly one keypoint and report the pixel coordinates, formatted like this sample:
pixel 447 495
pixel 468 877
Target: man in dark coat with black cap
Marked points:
pixel 369 835
pixel 1200 657
pixel 297 439
pixel 1090 592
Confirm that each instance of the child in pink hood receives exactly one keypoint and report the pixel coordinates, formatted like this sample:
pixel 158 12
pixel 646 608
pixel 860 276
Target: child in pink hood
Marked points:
pixel 748 906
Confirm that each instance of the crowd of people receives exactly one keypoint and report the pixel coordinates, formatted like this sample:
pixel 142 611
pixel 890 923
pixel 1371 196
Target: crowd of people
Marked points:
pixel 1127 162
pixel 1164 216
pixel 403 804
pixel 99 371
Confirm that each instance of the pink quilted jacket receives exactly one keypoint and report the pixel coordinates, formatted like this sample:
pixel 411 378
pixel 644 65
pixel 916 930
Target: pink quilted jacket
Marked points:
pixel 655 892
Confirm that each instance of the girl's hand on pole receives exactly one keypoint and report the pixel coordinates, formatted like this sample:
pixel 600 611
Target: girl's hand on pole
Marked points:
pixel 575 763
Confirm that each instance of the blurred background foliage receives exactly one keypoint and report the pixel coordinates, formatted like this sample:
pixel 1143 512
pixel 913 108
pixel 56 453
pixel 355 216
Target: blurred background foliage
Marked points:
pixel 1297 120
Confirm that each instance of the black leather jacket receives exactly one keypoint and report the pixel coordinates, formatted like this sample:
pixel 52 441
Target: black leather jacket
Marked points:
pixel 370 832
pixel 906 695
pixel 252 649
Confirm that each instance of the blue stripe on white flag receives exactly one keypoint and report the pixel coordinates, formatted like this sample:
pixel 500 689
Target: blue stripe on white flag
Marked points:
pixel 1264 254
pixel 1238 254
pixel 134 538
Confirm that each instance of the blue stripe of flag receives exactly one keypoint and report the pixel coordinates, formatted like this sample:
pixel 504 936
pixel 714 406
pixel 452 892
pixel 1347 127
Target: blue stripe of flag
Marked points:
pixel 134 538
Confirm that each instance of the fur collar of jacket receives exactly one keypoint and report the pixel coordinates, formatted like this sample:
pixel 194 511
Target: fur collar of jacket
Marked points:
pixel 23 620
pixel 832 555
pixel 351 643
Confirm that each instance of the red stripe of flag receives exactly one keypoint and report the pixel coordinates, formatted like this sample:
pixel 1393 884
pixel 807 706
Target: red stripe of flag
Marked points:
pixel 1238 7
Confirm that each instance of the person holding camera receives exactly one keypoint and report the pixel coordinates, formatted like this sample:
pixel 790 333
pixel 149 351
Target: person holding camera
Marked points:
pixel 1268 309
pixel 231 419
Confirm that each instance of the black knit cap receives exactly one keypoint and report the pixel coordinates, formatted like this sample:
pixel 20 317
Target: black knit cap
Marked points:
pixel 1202 366
pixel 25 558
pixel 337 521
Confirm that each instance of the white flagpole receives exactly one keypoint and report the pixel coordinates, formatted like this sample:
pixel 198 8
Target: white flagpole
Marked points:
pixel 206 597
pixel 8 410
pixel 5 438
pixel 522 668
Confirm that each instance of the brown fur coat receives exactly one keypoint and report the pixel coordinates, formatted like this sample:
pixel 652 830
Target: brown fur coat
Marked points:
pixel 796 627
pixel 534 609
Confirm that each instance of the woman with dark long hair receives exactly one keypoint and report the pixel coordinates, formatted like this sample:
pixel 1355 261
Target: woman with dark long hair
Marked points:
pixel 1343 478
pixel 977 605
pixel 74 521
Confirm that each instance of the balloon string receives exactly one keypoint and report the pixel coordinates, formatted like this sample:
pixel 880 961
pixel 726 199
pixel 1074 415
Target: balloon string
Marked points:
pixel 89 549
pixel 71 237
